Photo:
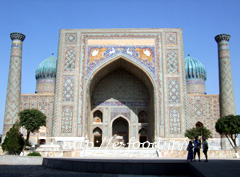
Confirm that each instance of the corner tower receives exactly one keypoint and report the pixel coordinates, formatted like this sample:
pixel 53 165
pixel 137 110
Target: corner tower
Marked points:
pixel 14 82
pixel 227 104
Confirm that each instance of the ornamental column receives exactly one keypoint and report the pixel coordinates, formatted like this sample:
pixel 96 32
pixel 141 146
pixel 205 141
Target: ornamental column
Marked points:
pixel 13 98
pixel 227 104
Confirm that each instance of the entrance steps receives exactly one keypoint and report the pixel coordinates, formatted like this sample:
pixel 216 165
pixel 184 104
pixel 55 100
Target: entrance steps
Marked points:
pixel 121 152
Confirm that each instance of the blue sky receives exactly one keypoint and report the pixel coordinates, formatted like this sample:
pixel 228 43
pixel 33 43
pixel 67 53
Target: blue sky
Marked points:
pixel 40 21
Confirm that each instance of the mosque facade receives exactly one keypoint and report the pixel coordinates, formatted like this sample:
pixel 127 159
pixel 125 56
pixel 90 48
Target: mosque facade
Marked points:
pixel 129 83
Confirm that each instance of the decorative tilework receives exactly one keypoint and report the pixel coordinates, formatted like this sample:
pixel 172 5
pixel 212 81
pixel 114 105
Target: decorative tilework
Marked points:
pixel 227 103
pixel 120 111
pixel 198 108
pixel 70 57
pixel 171 38
pixel 143 54
pixel 175 121
pixel 14 84
pixel 67 116
pixel 204 109
pixel 172 61
pixel 173 90
pixel 33 103
pixel 68 87
pixel 121 85
pixel 71 38
pixel 25 102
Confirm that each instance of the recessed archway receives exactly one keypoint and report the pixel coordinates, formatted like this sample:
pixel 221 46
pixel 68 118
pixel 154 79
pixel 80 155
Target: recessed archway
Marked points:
pixel 120 130
pixel 199 124
pixel 97 137
pixel 108 90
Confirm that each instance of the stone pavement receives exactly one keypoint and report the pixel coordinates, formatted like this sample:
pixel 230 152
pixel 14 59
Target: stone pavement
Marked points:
pixel 213 168
pixel 40 171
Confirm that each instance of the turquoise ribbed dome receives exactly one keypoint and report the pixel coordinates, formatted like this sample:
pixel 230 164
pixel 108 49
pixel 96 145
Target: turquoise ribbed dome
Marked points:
pixel 47 69
pixel 194 69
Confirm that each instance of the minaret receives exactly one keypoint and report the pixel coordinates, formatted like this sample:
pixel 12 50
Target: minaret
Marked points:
pixel 227 105
pixel 12 106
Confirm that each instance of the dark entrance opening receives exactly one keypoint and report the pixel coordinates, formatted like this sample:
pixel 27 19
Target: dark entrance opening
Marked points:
pixel 120 130
pixel 97 137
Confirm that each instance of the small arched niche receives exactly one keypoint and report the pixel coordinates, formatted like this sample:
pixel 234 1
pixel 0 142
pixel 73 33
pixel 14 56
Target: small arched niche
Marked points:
pixel 97 117
pixel 97 137
pixel 199 124
pixel 142 117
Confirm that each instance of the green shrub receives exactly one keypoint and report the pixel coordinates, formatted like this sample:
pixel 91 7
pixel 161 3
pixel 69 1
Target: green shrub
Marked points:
pixel 34 154
pixel 14 141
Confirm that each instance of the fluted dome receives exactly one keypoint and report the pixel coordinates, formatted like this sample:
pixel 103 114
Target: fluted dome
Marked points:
pixel 194 69
pixel 47 69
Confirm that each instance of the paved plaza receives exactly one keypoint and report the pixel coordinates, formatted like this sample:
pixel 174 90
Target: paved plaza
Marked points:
pixel 213 168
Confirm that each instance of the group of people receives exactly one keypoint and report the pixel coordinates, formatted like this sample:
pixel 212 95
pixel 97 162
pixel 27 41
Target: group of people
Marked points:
pixel 193 148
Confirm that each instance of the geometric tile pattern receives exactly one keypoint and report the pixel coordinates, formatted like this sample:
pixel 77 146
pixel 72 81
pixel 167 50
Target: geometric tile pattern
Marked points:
pixel 226 91
pixel 171 38
pixel 70 56
pixel 67 116
pixel 120 85
pixel 14 85
pixel 204 109
pixel 172 61
pixel 173 89
pixel 198 109
pixel 44 103
pixel 175 121
pixel 225 72
pixel 68 87
pixel 71 38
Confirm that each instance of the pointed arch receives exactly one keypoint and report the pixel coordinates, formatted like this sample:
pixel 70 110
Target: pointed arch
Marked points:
pixel 109 66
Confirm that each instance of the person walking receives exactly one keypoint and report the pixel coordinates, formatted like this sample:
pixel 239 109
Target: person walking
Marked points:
pixel 197 145
pixel 205 148
pixel 190 151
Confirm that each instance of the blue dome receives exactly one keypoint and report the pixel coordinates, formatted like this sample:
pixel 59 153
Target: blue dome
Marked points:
pixel 47 69
pixel 194 69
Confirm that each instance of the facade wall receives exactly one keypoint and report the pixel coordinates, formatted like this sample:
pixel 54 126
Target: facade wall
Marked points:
pixel 44 103
pixel 156 52
pixel 204 109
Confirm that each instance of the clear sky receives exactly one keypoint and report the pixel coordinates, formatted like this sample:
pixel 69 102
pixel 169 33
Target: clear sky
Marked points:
pixel 40 21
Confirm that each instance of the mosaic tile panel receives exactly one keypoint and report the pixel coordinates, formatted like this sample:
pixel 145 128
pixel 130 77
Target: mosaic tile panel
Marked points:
pixel 143 54
pixel 70 57
pixel 173 91
pixel 67 117
pixel 204 109
pixel 68 88
pixel 172 61
pixel 198 109
pixel 71 38
pixel 33 102
pixel 175 121
pixel 171 38
pixel 121 85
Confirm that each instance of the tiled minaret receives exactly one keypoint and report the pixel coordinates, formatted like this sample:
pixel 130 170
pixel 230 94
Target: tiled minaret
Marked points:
pixel 12 106
pixel 227 105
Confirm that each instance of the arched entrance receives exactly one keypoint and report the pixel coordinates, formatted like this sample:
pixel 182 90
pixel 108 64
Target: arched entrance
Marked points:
pixel 120 130
pixel 120 89
pixel 143 136
pixel 97 137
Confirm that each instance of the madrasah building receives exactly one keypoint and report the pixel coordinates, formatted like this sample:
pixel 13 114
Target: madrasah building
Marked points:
pixel 129 83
